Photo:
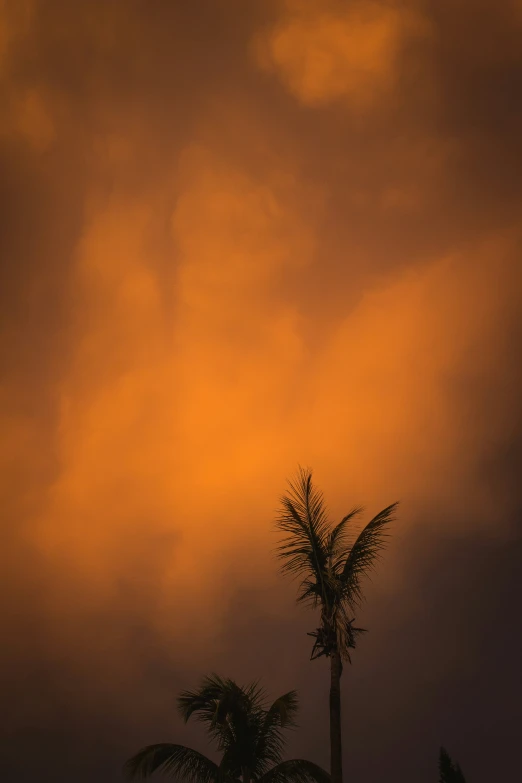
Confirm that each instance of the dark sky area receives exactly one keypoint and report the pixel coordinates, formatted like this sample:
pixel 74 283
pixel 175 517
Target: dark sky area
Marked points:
pixel 237 236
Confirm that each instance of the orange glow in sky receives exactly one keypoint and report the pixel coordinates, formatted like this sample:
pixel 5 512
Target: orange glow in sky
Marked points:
pixel 280 236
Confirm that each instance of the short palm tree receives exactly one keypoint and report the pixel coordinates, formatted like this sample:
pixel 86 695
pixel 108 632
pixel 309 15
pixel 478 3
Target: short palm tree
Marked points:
pixel 247 733
pixel 449 772
pixel 330 561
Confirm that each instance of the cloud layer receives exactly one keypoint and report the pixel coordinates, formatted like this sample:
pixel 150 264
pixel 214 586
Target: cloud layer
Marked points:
pixel 235 240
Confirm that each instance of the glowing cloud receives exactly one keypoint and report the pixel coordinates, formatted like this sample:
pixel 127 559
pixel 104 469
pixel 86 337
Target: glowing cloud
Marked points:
pixel 327 52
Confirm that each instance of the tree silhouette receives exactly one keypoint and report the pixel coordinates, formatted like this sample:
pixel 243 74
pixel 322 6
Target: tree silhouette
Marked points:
pixel 248 735
pixel 449 772
pixel 330 562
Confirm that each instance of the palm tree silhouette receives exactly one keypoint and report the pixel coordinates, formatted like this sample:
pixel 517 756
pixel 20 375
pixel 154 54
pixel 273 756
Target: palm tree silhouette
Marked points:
pixel 248 735
pixel 449 772
pixel 330 563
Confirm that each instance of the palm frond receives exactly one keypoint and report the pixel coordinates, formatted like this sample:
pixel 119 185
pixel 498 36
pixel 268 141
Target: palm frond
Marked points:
pixel 203 700
pixel 296 771
pixel 271 741
pixel 185 764
pixel 283 711
pixel 364 554
pixel 214 695
pixel 223 706
pixel 256 695
pixel 304 518
pixel 338 539
pixel 309 592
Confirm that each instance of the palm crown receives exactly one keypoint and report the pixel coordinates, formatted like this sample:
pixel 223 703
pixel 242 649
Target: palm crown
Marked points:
pixel 247 733
pixel 329 560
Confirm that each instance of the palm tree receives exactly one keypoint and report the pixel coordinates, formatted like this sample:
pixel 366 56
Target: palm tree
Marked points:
pixel 330 562
pixel 247 733
pixel 449 772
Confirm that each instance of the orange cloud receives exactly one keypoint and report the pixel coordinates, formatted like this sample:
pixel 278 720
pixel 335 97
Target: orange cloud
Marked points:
pixel 25 110
pixel 179 388
pixel 327 52
pixel 384 388
pixel 169 412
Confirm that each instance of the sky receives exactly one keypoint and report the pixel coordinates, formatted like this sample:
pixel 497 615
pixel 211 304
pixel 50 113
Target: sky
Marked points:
pixel 237 237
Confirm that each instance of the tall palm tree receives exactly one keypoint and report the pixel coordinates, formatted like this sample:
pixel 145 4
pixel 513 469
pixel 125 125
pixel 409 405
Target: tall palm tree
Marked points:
pixel 330 561
pixel 247 733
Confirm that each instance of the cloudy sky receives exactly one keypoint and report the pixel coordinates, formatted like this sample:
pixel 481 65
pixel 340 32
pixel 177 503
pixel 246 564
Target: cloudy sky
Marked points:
pixel 236 236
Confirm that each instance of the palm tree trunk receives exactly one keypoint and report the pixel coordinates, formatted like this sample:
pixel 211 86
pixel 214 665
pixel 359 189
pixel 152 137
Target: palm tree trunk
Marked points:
pixel 336 756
